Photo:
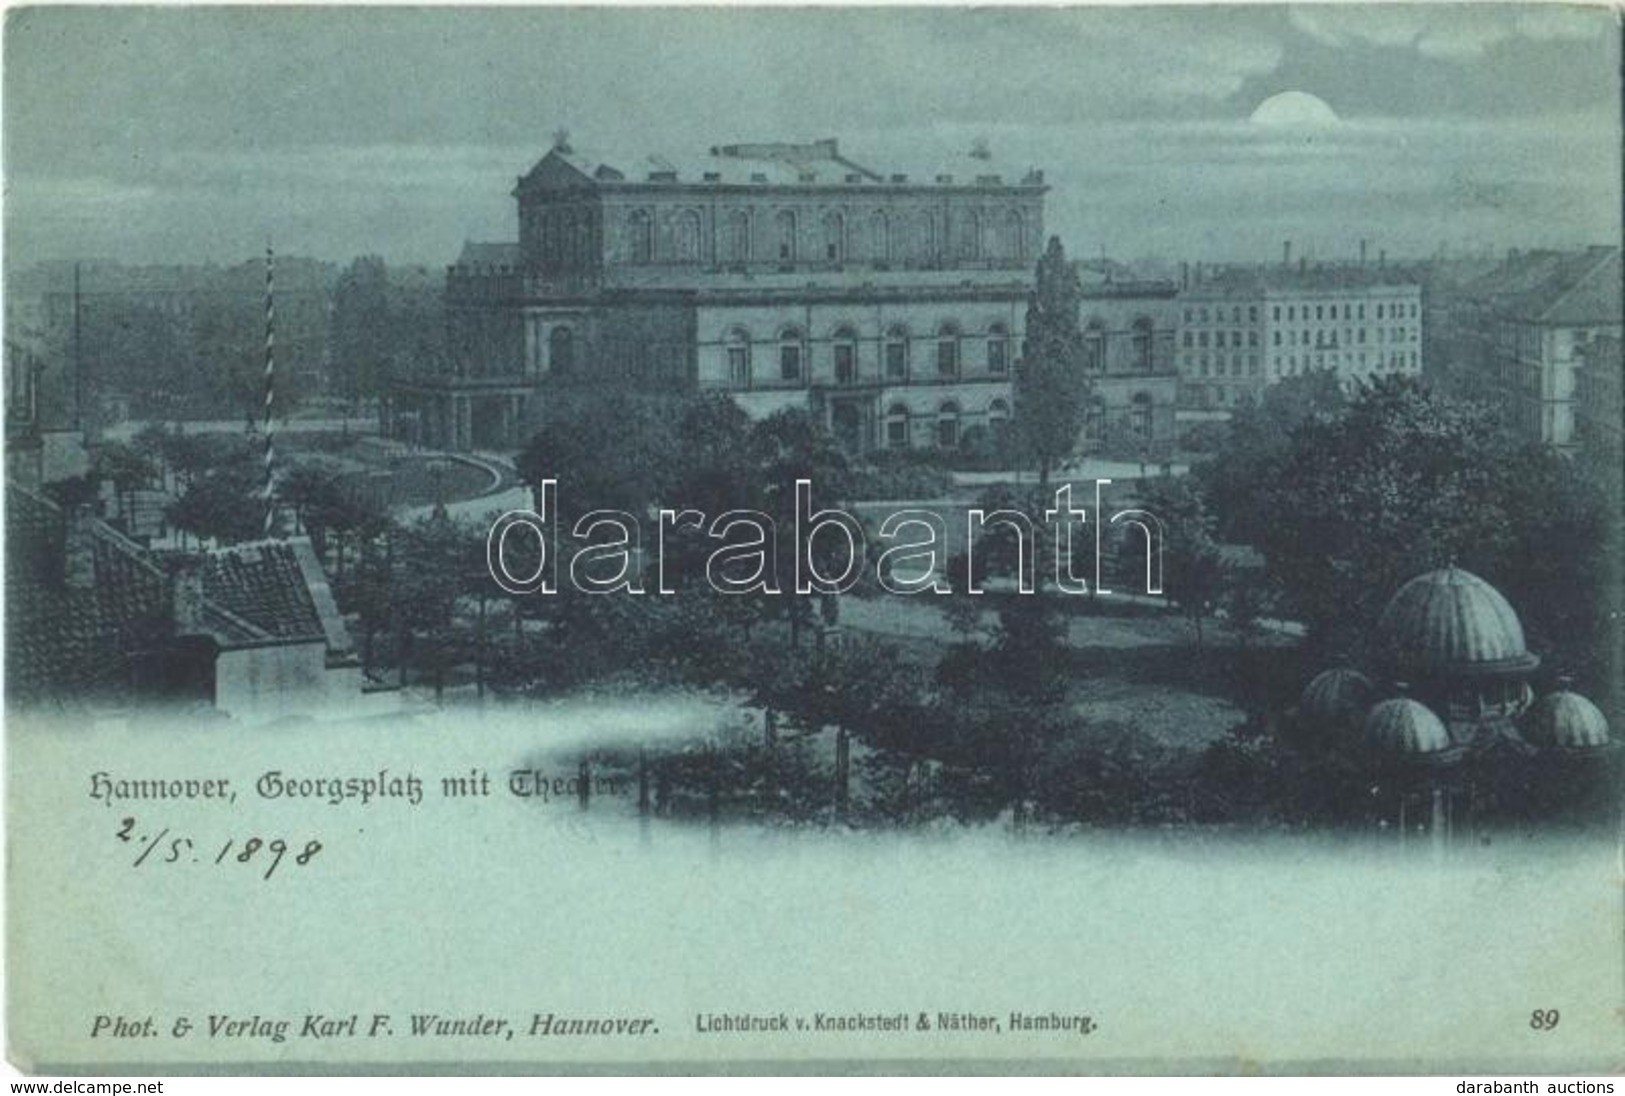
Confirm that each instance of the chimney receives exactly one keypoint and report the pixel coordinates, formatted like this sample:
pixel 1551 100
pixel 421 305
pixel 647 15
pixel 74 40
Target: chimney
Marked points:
pixel 1382 259
pixel 186 597
pixel 79 549
pixel 1362 253
pixel 1286 253
pixel 1303 264
pixel 1198 275
pixel 1185 275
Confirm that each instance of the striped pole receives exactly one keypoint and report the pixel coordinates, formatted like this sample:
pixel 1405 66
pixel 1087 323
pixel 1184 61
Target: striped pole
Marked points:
pixel 270 388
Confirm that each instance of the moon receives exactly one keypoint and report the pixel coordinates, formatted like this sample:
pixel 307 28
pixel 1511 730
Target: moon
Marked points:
pixel 1294 110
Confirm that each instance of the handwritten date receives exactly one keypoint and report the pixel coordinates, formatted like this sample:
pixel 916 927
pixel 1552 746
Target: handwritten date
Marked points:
pixel 167 848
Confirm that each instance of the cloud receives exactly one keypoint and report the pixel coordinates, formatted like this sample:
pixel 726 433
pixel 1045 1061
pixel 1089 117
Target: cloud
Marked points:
pixel 1451 32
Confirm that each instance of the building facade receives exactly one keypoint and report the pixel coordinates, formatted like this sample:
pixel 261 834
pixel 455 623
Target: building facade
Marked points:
pixel 1515 338
pixel 787 275
pixel 1599 420
pixel 1243 330
pixel 1129 335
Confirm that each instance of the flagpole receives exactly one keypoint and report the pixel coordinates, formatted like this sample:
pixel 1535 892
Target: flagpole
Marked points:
pixel 270 387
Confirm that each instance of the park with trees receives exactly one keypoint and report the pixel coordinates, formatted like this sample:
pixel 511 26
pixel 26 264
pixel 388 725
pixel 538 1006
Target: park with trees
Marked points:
pixel 866 708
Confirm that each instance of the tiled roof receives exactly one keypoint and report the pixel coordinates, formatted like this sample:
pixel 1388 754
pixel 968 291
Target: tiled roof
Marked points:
pixel 64 634
pixel 261 583
pixel 277 587
pixel 1565 288
pixel 77 634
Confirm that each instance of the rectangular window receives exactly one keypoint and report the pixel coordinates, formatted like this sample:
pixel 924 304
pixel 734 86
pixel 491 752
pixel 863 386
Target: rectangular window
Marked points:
pixel 897 432
pixel 790 362
pixel 998 356
pixel 738 367
pixel 897 360
pixel 846 363
pixel 947 357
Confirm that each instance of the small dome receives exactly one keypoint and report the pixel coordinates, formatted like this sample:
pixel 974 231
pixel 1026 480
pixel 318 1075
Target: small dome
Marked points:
pixel 1452 623
pixel 1567 721
pixel 1339 695
pixel 1405 728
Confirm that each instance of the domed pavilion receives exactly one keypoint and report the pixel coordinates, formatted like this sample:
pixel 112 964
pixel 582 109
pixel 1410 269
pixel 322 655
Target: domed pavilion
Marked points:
pixel 1449 690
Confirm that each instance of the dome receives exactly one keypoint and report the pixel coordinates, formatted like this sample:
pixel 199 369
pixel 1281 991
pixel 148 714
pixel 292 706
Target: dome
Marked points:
pixel 1451 623
pixel 1337 696
pixel 1567 721
pixel 1405 728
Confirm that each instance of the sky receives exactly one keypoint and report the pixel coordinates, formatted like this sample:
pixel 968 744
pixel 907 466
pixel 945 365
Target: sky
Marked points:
pixel 197 134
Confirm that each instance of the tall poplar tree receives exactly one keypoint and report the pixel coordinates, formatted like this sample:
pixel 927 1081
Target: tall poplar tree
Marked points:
pixel 1050 388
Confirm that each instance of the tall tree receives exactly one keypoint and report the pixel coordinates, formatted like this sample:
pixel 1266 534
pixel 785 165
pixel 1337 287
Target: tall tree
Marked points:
pixel 1256 447
pixel 1405 481
pixel 1051 390
pixel 362 329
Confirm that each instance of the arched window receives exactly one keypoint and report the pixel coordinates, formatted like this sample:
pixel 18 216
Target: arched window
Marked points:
pixel 1014 243
pixel 561 350
pixel 685 237
pixel 738 350
pixel 1094 347
pixel 948 426
pixel 948 350
pixel 998 349
pixel 970 235
pixel 879 236
pixel 784 235
pixel 736 237
pixel 1094 419
pixel 846 355
pixel 1142 343
pixel 897 354
pixel 834 237
pixel 998 419
pixel 792 351
pixel 930 237
pixel 639 236
pixel 1139 419
pixel 897 426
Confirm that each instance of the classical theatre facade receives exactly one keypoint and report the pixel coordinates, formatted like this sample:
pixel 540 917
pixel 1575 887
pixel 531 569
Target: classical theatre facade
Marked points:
pixel 891 304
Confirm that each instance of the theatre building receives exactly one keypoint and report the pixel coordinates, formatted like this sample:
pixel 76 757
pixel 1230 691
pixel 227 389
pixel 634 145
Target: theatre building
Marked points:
pixel 891 303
